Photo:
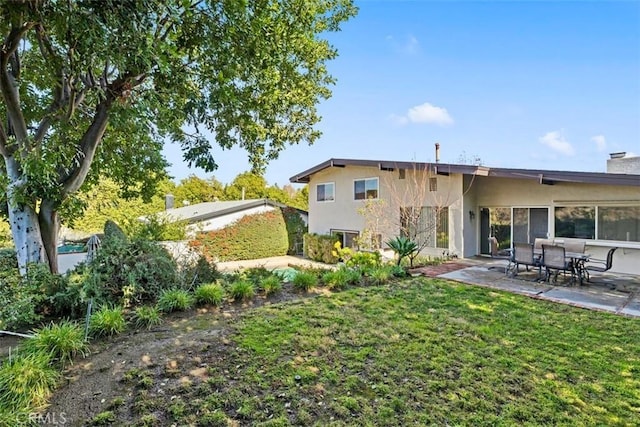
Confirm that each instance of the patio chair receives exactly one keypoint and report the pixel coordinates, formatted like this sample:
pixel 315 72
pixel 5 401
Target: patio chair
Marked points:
pixel 523 255
pixel 497 253
pixel 553 258
pixel 600 265
pixel 575 246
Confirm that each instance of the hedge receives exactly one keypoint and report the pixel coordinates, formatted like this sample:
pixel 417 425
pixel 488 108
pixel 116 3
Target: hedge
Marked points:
pixel 319 247
pixel 252 236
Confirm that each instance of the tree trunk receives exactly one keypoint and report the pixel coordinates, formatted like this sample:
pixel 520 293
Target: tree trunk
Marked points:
pixel 23 220
pixel 49 226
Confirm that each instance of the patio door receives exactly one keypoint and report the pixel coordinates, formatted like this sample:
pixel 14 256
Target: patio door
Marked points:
pixel 529 224
pixel 495 222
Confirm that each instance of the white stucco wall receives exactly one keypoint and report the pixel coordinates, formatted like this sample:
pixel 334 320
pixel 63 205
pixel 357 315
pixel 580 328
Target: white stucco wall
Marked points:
pixel 463 195
pixel 342 213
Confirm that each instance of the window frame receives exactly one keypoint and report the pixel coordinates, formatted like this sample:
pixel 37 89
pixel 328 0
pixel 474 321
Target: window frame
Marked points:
pixel 333 184
pixel 374 178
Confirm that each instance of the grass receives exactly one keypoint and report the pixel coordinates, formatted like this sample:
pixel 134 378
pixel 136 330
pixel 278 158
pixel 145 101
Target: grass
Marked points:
pixel 107 321
pixel 421 352
pixel 212 293
pixel 305 281
pixel 242 290
pixel 147 316
pixel 271 285
pixel 63 341
pixel 175 300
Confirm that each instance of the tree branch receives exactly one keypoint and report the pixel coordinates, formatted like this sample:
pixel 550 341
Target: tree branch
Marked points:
pixel 3 142
pixel 87 148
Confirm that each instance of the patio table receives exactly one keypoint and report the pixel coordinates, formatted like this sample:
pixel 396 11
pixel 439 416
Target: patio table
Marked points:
pixel 577 262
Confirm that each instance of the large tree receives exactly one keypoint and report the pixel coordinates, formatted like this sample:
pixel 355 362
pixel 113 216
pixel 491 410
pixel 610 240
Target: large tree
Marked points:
pixel 93 87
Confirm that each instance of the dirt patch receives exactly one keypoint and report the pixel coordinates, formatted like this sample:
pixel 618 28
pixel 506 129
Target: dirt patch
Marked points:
pixel 152 363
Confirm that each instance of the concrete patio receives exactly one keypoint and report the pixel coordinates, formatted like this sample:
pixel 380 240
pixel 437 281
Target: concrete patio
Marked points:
pixel 615 293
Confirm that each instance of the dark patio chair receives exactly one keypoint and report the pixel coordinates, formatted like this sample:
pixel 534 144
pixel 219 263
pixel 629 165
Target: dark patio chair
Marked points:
pixel 523 255
pixel 497 253
pixel 553 258
pixel 599 265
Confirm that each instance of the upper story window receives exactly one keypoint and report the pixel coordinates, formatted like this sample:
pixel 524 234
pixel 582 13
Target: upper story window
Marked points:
pixel 325 192
pixel 364 189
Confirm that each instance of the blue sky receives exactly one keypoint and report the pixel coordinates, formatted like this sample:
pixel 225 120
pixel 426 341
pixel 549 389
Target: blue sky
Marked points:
pixel 541 85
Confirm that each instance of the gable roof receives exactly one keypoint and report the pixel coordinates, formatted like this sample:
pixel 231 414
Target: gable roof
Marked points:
pixel 208 210
pixel 549 177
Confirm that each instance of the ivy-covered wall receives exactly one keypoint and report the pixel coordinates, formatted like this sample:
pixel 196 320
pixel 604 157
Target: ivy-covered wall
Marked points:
pixel 262 235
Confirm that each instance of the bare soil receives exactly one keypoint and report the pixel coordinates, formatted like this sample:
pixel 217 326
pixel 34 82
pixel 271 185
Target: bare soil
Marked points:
pixel 174 353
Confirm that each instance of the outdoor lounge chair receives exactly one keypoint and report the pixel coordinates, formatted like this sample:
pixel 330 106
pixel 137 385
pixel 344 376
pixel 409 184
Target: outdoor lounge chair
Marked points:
pixel 600 265
pixel 553 258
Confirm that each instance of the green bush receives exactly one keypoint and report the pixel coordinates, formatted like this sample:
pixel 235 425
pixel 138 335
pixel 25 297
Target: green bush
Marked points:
pixel 26 381
pixel 212 293
pixel 242 290
pixel 107 321
pixel 8 259
pixel 62 341
pixel 336 279
pixel 379 275
pixel 20 297
pixel 364 261
pixel 252 236
pixel 319 247
pixel 199 272
pixel 271 285
pixel 174 300
pixel 305 281
pixel 403 248
pixel 157 228
pixel 147 316
pixel 131 272
pixel 296 228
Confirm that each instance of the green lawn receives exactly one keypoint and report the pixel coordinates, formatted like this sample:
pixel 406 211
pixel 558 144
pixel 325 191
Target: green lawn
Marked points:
pixel 421 352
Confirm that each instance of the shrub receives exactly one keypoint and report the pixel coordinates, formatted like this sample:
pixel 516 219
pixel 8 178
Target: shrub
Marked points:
pixel 256 275
pixel 319 248
pixel 364 261
pixel 296 228
pixel 212 293
pixel 131 272
pixel 157 228
pixel 242 290
pixel 201 271
pixel 20 297
pixel 62 341
pixel 252 236
pixel 271 284
pixel 147 316
pixel 26 380
pixel 174 300
pixel 398 270
pixel 107 321
pixel 8 259
pixel 305 281
pixel 337 279
pixel 380 275
pixel 403 247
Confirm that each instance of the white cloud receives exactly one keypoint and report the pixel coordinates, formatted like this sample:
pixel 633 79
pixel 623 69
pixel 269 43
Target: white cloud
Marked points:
pixel 601 142
pixel 427 113
pixel 556 141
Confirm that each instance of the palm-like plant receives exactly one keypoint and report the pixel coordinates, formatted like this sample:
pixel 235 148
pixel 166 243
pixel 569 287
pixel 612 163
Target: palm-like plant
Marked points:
pixel 403 247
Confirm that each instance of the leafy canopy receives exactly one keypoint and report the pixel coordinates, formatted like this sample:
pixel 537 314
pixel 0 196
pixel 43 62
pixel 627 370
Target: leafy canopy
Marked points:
pixel 101 84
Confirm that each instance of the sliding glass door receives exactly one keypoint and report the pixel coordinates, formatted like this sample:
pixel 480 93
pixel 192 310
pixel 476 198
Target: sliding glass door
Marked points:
pixel 529 224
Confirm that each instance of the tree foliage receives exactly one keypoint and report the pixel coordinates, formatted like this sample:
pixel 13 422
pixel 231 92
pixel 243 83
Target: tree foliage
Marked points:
pixel 93 88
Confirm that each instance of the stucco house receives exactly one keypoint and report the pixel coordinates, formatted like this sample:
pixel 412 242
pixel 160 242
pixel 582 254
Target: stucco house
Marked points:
pixel 465 205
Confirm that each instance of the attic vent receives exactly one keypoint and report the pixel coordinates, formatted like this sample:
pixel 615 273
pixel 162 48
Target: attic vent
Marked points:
pixel 400 173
